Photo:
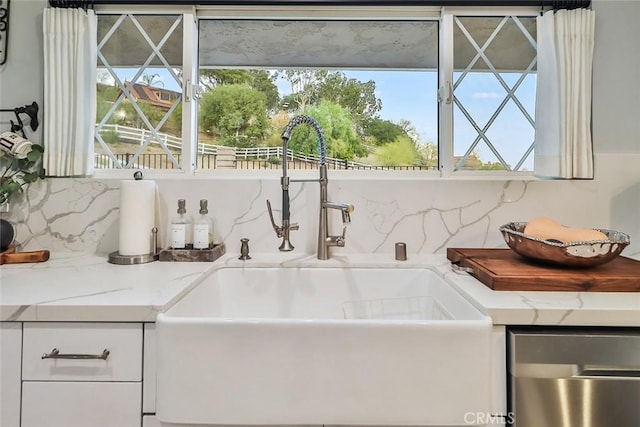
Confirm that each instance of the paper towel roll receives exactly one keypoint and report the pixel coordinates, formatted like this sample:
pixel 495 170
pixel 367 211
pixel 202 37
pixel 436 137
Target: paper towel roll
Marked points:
pixel 137 216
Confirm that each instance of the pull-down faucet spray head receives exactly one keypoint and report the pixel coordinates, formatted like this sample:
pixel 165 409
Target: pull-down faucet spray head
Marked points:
pixel 325 240
pixel 284 230
pixel 346 215
pixel 344 208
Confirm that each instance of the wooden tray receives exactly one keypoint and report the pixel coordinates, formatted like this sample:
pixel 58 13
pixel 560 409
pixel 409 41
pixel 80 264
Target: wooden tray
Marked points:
pixel 504 270
pixel 194 255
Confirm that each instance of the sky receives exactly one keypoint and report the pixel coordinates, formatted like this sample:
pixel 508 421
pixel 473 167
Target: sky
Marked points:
pixel 412 95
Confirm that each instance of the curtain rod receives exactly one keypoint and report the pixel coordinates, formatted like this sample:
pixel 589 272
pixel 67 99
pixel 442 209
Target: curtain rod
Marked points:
pixel 554 4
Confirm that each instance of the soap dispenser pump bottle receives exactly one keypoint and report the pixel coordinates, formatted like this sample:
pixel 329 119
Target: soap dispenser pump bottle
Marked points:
pixel 180 225
pixel 203 228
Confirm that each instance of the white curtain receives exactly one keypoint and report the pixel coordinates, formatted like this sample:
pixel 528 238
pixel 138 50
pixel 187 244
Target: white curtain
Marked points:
pixel 70 57
pixel 563 147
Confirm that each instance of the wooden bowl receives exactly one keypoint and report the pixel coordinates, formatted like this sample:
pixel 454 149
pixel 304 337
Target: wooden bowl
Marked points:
pixel 574 254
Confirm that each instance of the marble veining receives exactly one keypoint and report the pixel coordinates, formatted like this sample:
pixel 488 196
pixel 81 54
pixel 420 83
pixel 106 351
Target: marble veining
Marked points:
pixel 77 287
pixel 440 224
pixel 429 215
pixel 84 287
pixel 16 314
pixel 248 215
pixel 569 312
pixel 550 308
pixel 58 217
pixel 534 310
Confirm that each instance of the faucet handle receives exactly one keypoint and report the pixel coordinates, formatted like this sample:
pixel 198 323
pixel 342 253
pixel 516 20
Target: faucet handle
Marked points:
pixel 339 241
pixel 336 241
pixel 276 228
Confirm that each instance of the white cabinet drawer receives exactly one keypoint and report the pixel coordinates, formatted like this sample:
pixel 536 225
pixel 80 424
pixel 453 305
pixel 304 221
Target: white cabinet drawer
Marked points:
pixel 10 347
pixel 72 404
pixel 123 341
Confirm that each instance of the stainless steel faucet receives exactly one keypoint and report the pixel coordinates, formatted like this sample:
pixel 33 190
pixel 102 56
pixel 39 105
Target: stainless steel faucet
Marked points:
pixel 325 241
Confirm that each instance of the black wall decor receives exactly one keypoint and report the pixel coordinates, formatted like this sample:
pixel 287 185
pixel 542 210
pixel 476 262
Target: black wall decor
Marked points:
pixel 30 110
pixel 4 30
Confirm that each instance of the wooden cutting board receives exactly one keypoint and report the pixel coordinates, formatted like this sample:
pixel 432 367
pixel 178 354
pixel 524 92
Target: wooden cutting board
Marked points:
pixel 504 270
pixel 10 256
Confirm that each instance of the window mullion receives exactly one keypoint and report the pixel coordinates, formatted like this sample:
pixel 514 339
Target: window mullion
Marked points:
pixel 189 97
pixel 445 143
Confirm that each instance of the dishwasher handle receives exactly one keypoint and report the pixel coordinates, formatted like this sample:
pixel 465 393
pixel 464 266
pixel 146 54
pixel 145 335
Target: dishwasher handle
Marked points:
pixel 610 373
pixel 587 349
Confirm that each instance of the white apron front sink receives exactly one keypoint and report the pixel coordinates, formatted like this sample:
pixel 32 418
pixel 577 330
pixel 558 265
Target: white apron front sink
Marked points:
pixel 315 345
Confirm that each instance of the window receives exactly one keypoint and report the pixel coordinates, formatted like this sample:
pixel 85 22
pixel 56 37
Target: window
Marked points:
pixel 371 84
pixel 139 92
pixel 494 92
pixel 397 88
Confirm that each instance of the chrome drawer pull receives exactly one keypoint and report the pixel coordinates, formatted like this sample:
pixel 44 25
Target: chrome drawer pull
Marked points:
pixel 55 354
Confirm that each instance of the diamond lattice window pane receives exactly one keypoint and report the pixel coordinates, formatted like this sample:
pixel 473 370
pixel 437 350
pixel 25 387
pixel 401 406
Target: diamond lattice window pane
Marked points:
pixel 511 134
pixel 139 121
pixel 480 94
pixel 494 92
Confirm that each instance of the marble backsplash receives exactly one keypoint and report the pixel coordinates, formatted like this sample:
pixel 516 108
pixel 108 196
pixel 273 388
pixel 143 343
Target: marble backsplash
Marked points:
pixel 429 214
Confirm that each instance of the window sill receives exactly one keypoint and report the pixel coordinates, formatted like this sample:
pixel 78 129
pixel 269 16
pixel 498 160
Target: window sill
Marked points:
pixel 275 174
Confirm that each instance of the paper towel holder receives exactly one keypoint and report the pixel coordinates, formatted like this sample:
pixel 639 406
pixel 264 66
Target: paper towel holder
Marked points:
pixel 116 258
pixel 154 255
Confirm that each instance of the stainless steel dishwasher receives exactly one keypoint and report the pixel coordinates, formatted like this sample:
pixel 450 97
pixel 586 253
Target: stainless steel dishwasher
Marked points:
pixel 574 377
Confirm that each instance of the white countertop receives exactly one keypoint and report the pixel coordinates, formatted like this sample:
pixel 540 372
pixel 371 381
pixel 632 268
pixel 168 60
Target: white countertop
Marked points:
pixel 82 287
pixel 549 308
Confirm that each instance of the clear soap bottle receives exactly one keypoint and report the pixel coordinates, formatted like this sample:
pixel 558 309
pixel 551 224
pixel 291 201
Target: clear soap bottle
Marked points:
pixel 180 227
pixel 203 228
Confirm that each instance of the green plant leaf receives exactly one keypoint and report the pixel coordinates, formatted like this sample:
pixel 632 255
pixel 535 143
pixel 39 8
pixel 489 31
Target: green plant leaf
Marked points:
pixel 35 153
pixel 17 164
pixel 30 177
pixel 10 186
pixel 19 172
